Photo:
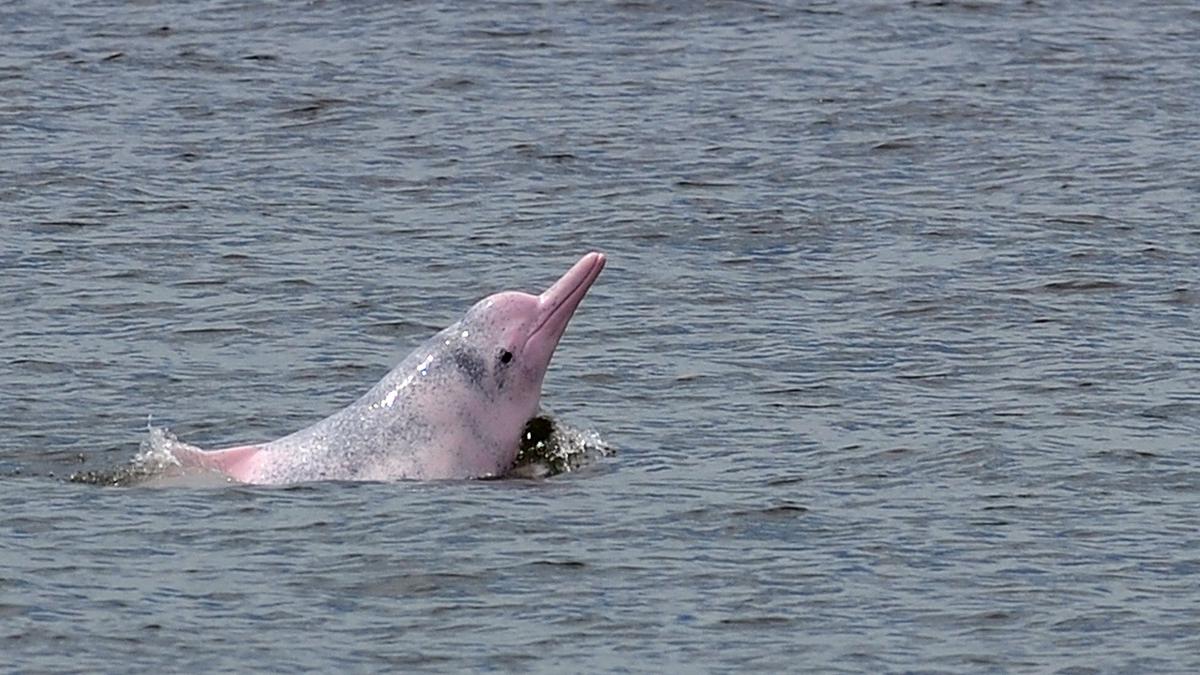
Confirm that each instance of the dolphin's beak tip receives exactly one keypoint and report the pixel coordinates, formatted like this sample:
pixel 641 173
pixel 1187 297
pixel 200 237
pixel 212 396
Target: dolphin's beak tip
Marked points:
pixel 568 291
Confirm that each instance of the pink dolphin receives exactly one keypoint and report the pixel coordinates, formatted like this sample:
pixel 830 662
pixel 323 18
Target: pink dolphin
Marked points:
pixel 454 408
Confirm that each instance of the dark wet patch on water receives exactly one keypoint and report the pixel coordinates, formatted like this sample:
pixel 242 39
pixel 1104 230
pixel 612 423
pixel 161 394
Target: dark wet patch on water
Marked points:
pixel 549 448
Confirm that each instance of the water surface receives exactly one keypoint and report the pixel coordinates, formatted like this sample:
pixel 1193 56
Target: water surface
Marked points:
pixel 897 342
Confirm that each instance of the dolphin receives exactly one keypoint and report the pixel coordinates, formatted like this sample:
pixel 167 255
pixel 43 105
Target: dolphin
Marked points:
pixel 453 408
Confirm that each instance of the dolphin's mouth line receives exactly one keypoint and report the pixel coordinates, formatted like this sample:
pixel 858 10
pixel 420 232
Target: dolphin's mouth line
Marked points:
pixel 571 300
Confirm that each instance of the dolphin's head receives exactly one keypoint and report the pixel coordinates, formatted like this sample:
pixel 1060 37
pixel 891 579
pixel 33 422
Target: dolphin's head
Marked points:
pixel 502 349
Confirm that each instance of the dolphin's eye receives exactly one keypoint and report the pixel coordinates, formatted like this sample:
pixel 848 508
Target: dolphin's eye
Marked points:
pixel 505 356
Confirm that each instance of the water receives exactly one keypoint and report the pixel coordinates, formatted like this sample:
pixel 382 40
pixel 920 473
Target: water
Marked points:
pixel 897 343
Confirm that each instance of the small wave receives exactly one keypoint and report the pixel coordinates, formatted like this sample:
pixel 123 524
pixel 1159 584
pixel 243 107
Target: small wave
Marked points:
pixel 548 448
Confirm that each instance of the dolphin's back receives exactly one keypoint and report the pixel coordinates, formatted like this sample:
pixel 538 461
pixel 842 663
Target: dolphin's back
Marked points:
pixel 378 437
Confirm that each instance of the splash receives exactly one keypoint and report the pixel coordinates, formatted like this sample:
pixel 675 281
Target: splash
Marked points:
pixel 550 447
pixel 154 463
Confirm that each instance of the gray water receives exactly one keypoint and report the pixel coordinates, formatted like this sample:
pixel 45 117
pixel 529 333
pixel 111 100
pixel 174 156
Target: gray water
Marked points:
pixel 897 344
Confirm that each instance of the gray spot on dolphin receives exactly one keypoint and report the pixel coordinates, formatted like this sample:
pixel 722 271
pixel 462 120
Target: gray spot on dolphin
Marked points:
pixel 456 407
pixel 471 366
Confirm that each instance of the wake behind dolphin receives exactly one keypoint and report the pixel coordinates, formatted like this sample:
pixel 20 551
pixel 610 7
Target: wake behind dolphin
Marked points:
pixel 454 408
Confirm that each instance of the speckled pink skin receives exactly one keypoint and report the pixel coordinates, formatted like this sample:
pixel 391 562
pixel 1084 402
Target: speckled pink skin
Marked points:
pixel 454 408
